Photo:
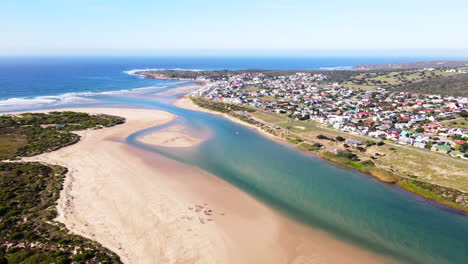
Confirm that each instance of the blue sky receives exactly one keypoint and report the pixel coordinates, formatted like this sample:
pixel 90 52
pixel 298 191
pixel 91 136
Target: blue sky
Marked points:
pixel 152 26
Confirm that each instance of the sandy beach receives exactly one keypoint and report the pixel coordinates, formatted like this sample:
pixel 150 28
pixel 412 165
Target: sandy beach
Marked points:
pixel 150 209
pixel 185 102
pixel 184 89
pixel 170 138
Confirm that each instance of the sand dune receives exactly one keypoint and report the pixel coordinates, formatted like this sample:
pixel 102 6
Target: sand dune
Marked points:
pixel 149 209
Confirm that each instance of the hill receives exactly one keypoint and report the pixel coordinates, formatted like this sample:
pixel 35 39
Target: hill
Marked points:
pixel 456 85
pixel 411 65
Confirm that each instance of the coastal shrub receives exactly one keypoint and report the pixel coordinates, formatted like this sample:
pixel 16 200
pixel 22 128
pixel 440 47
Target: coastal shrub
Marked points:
pixel 295 140
pixel 219 106
pixel 29 134
pixel 447 195
pixel 361 149
pixel 316 147
pixel 28 196
pixel 346 154
pixel 309 147
pixel 383 175
pixel 368 163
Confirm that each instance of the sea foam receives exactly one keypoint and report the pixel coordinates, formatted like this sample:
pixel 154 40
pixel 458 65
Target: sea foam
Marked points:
pixel 134 71
pixel 15 104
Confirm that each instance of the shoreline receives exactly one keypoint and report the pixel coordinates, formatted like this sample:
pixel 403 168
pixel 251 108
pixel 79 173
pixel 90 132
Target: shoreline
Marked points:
pixel 137 204
pixel 185 102
pixel 379 174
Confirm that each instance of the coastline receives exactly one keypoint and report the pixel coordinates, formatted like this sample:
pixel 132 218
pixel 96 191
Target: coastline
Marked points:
pixel 138 205
pixel 185 102
pixel 378 173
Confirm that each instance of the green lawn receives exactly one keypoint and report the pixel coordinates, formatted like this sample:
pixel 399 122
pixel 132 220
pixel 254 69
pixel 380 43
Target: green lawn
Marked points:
pixel 267 118
pixel 457 123
pixel 298 128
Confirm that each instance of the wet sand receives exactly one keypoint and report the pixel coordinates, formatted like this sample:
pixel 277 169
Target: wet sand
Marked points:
pixel 150 209
pixel 170 137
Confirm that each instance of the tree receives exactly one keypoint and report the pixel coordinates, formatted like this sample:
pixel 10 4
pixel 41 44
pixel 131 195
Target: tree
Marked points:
pixel 361 149
pixel 419 130
pixel 346 154
pixel 464 113
pixel 340 138
pixel 464 147
pixel 322 137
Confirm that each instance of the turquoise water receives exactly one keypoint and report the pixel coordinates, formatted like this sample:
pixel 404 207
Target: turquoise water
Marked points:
pixel 346 204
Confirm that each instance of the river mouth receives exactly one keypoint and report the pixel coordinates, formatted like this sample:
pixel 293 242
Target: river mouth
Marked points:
pixel 344 203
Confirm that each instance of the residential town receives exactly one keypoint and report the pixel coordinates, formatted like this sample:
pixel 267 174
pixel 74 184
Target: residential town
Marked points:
pixel 424 121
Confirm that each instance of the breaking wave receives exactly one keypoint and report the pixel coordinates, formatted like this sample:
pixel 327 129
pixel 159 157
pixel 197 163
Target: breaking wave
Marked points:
pixel 20 103
pixel 134 71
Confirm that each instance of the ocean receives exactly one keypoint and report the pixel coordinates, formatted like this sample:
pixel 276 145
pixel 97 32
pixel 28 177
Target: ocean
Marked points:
pixel 346 204
pixel 35 82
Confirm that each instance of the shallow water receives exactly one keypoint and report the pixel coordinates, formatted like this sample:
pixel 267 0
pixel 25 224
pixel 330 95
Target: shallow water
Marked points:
pixel 347 204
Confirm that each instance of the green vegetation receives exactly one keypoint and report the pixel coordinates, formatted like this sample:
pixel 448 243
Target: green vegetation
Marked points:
pixel 332 76
pixel 348 159
pixel 417 80
pixel 28 233
pixel 444 85
pixel 219 106
pixel 29 191
pixel 322 137
pixel 387 165
pixel 445 195
pixel 294 139
pixel 310 147
pixel 457 123
pixel 30 134
pixel 436 81
pixel 268 118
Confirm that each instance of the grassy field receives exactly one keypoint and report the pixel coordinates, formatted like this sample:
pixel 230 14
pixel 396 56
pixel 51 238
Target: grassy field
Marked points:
pixel 457 123
pixel 408 163
pixel 298 128
pixel 10 140
pixel 267 117
pixel 429 176
pixel 400 161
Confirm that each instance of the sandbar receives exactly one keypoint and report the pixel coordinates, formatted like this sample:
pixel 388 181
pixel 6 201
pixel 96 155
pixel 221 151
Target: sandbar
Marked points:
pixel 151 209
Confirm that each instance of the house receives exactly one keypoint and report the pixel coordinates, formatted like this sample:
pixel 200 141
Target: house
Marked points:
pixel 377 134
pixel 419 144
pixel 392 135
pixel 457 154
pixel 441 148
pixel 353 142
pixel 368 122
pixel 406 140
